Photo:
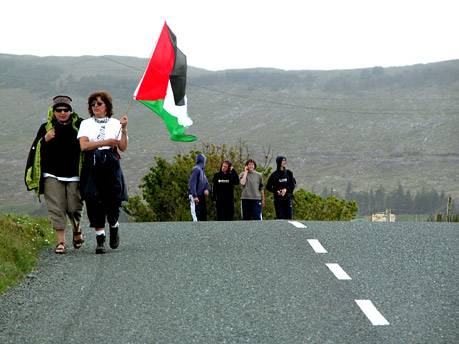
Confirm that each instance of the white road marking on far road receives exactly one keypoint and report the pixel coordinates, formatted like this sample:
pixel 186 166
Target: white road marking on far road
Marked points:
pixel 375 317
pixel 338 271
pixel 298 224
pixel 317 246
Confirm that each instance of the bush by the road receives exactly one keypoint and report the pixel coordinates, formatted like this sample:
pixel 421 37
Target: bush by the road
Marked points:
pixel 165 190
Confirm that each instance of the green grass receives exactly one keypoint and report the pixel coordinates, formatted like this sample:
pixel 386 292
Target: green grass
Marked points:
pixel 21 238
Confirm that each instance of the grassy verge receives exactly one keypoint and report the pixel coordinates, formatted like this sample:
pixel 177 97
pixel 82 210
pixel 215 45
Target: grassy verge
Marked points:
pixel 21 238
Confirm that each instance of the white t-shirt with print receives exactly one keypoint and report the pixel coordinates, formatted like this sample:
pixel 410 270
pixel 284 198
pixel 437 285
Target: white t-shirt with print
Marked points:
pixel 99 129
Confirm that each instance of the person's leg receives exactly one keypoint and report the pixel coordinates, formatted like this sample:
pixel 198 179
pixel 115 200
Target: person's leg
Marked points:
pixel 96 216
pixel 112 209
pixel 219 206
pixel 231 211
pixel 74 210
pixel 201 212
pixel 246 209
pixel 228 211
pixel 55 198
pixel 257 208
pixel 278 208
pixel 289 209
pixel 193 209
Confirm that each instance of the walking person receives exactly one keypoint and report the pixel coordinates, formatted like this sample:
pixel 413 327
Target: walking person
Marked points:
pixel 102 182
pixel 198 189
pixel 253 195
pixel 223 191
pixel 52 169
pixel 282 183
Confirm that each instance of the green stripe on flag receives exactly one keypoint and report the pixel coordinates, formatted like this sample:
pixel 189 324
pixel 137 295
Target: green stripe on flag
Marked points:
pixel 176 130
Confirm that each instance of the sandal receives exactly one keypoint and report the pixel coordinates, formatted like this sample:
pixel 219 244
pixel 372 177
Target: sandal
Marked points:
pixel 60 248
pixel 78 239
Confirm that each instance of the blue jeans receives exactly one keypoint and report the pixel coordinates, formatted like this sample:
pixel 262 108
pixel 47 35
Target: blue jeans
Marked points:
pixel 251 209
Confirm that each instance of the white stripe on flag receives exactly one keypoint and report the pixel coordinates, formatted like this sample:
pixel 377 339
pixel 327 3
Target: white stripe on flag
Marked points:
pixel 338 271
pixel 317 246
pixel 297 224
pixel 375 317
pixel 181 112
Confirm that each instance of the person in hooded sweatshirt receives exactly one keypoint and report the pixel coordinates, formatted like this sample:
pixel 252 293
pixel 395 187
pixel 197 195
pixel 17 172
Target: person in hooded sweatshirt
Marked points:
pixel 198 189
pixel 223 191
pixel 282 183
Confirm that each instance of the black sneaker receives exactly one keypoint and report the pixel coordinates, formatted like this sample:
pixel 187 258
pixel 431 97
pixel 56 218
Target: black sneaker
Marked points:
pixel 114 237
pixel 100 249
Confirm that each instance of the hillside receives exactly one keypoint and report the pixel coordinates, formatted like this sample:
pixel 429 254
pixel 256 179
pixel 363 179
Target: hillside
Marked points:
pixel 371 127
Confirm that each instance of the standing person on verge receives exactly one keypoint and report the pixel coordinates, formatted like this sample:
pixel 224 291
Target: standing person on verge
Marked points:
pixel 253 195
pixel 53 169
pixel 198 189
pixel 282 183
pixel 102 181
pixel 223 191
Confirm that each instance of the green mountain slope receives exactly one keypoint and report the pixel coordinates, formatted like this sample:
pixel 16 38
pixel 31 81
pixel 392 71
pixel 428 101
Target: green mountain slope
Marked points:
pixel 367 126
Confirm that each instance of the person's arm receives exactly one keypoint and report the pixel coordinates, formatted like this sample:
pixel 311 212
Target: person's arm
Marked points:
pixel 234 177
pixel 192 184
pixel 85 144
pixel 270 184
pixel 291 183
pixel 261 187
pixel 243 179
pixel 50 134
pixel 207 188
pixel 123 142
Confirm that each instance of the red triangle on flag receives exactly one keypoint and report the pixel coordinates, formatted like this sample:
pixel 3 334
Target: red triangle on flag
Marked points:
pixel 153 85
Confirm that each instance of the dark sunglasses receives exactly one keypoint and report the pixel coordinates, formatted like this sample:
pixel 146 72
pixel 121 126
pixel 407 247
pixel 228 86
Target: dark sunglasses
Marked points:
pixel 62 110
pixel 94 103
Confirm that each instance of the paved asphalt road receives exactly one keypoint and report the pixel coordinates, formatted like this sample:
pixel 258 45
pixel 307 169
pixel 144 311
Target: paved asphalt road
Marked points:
pixel 244 282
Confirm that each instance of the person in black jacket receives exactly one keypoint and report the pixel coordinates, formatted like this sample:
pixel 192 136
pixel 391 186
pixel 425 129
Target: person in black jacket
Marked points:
pixel 53 169
pixel 223 191
pixel 282 183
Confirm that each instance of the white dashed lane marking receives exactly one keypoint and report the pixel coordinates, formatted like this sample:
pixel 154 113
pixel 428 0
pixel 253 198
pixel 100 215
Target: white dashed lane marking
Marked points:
pixel 297 224
pixel 317 246
pixel 369 309
pixel 338 271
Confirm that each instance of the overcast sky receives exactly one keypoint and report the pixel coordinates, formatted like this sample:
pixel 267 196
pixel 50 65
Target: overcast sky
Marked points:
pixel 215 35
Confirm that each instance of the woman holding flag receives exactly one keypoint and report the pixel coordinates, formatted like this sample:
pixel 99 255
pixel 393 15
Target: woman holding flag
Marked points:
pixel 102 182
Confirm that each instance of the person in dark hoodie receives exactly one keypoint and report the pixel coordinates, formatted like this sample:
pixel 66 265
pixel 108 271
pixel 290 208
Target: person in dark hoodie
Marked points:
pixel 198 189
pixel 223 191
pixel 53 169
pixel 282 183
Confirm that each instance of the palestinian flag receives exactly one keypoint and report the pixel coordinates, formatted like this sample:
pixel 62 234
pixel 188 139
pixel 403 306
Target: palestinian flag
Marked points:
pixel 162 87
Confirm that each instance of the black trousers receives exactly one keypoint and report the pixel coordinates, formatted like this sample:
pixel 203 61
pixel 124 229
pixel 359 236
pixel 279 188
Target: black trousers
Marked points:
pixel 100 211
pixel 225 210
pixel 200 208
pixel 251 209
pixel 102 187
pixel 284 208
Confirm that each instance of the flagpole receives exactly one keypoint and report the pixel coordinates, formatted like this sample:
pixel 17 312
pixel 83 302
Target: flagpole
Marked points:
pixel 127 110
pixel 129 105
